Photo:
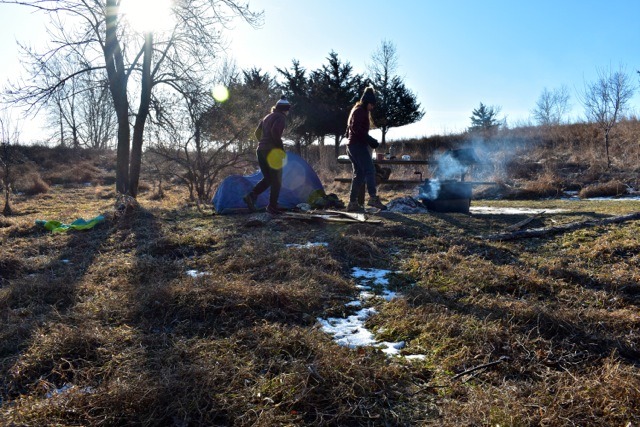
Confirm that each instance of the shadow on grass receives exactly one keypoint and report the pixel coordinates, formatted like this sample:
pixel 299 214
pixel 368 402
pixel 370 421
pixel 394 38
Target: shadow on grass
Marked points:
pixel 571 329
pixel 36 295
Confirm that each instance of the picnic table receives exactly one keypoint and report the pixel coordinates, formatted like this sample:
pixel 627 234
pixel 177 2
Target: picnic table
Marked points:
pixel 416 164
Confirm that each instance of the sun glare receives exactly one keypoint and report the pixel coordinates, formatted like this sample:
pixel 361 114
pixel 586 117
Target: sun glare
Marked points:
pixel 148 15
pixel 220 93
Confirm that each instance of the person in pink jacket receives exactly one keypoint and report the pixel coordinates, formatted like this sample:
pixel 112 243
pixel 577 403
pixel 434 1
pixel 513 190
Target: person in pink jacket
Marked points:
pixel 270 154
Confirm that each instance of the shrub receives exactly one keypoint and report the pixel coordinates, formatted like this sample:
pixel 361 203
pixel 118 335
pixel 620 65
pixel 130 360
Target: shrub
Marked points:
pixel 609 189
pixel 31 184
pixel 547 185
pixel 77 174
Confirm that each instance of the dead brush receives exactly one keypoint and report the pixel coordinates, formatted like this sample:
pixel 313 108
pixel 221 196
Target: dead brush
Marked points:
pixel 547 185
pixel 78 173
pixel 608 189
pixel 31 184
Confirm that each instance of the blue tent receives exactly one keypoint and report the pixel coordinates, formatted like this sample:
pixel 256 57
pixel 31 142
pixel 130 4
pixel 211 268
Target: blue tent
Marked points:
pixel 300 184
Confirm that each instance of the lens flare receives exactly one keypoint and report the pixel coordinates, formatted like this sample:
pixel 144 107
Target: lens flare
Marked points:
pixel 276 158
pixel 220 93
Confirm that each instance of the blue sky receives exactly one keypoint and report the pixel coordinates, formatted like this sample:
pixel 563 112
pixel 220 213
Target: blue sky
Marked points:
pixel 453 54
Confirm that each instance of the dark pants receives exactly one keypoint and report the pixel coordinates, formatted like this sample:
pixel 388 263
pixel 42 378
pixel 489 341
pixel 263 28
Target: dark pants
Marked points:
pixel 271 168
pixel 363 170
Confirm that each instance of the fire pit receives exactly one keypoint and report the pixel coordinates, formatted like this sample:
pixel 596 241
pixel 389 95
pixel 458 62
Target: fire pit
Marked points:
pixel 446 196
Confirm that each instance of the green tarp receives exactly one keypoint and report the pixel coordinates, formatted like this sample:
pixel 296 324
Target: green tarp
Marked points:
pixel 78 224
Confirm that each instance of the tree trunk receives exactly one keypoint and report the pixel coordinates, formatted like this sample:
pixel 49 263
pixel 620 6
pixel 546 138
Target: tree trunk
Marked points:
pixel 141 118
pixel 7 189
pixel 383 142
pixel 338 145
pixel 76 140
pixel 118 86
pixel 198 172
pixel 7 211
pixel 606 147
pixel 61 131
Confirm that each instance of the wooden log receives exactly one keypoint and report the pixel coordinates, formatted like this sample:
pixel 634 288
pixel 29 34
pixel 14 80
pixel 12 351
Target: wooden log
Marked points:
pixel 541 232
pixel 519 225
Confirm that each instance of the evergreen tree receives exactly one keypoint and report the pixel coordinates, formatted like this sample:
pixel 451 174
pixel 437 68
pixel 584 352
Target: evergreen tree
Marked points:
pixel 334 89
pixel 484 119
pixel 296 89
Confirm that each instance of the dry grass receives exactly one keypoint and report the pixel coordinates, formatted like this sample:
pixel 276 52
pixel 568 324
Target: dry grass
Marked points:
pixel 609 189
pixel 105 327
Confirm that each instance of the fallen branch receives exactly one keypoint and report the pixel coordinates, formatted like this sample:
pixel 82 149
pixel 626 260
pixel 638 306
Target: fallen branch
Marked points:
pixel 342 217
pixel 539 232
pixel 519 225
pixel 486 365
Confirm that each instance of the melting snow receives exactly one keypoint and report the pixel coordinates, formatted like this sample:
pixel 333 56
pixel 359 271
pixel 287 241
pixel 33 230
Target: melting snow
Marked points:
pixel 196 273
pixel 67 388
pixel 307 245
pixel 350 331
pixel 511 211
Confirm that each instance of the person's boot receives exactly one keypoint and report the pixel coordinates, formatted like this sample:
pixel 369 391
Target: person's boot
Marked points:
pixel 354 207
pixel 375 202
pixel 250 200
pixel 273 210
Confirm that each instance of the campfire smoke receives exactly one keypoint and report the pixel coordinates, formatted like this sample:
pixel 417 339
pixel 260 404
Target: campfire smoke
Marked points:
pixel 430 190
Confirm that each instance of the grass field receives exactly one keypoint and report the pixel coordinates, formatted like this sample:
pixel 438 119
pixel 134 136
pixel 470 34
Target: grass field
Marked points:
pixel 106 326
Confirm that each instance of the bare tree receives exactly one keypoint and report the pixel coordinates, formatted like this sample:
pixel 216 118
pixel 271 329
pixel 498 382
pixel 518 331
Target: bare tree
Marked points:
pixel 552 106
pixel 606 99
pixel 9 156
pixel 215 137
pixel 135 61
pixel 98 119
pixel 396 105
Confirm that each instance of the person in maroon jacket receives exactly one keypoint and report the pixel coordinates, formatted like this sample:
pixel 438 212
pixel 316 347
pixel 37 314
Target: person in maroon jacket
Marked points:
pixel 270 154
pixel 359 139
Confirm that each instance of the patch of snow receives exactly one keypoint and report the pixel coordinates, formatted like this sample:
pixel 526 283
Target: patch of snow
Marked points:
pixel 389 295
pixel 196 273
pixel 378 277
pixel 392 348
pixel 511 211
pixel 350 331
pixel 415 357
pixel 612 199
pixel 366 295
pixel 307 245
pixel 66 388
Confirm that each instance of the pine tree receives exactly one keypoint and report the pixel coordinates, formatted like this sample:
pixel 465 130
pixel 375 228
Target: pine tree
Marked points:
pixel 484 119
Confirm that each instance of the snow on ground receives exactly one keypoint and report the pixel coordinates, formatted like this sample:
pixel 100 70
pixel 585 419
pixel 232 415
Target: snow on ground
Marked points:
pixel 511 211
pixel 350 331
pixel 196 273
pixel 307 245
